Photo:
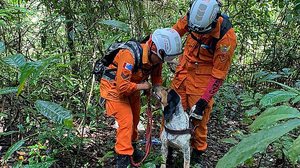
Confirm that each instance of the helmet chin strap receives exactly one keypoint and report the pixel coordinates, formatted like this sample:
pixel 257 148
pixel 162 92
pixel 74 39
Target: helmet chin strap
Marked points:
pixel 161 52
pixel 150 51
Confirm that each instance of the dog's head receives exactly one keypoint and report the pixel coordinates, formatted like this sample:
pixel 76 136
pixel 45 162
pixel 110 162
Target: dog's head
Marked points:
pixel 169 100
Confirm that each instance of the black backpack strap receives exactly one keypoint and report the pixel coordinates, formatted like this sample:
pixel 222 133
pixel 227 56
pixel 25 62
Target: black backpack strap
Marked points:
pixel 136 49
pixel 195 38
pixel 110 74
pixel 100 67
pixel 111 52
pixel 140 56
pixel 225 26
pixel 199 41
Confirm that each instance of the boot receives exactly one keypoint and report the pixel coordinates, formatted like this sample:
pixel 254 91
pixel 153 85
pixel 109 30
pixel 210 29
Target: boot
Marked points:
pixel 197 159
pixel 123 161
pixel 137 154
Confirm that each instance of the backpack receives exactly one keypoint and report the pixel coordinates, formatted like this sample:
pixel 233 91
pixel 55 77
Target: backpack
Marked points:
pixel 225 26
pixel 100 69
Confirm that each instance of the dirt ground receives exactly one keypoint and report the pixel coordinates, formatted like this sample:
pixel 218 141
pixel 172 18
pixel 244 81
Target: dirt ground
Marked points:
pixel 218 132
pixel 98 150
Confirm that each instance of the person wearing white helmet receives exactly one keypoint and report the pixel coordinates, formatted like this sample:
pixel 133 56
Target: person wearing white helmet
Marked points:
pixel 164 39
pixel 203 16
pixel 203 66
pixel 124 78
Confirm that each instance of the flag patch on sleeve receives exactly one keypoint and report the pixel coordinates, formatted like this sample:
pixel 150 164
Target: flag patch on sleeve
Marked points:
pixel 127 66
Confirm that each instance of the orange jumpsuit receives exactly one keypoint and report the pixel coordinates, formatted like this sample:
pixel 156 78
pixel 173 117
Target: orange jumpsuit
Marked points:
pixel 197 68
pixel 123 98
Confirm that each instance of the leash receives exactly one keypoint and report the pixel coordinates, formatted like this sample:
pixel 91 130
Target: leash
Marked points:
pixel 148 135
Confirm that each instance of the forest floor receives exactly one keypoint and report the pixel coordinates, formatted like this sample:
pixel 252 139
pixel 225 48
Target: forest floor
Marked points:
pixel 219 132
pixel 98 149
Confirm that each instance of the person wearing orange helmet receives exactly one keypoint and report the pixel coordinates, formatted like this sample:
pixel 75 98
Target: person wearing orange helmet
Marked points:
pixel 204 65
pixel 121 84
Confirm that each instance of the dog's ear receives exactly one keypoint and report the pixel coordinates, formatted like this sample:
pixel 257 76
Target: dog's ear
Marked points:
pixel 173 97
pixel 170 109
pixel 167 113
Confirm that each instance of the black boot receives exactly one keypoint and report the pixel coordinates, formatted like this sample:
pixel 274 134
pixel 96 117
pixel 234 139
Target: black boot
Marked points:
pixel 137 154
pixel 197 159
pixel 123 161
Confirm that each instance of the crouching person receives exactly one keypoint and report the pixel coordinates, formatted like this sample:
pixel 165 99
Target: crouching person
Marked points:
pixel 128 74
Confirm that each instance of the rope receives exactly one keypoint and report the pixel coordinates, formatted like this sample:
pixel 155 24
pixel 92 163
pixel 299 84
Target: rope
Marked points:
pixel 148 135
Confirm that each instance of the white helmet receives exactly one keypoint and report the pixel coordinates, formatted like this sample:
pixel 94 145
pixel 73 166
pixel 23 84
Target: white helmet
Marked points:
pixel 167 42
pixel 203 15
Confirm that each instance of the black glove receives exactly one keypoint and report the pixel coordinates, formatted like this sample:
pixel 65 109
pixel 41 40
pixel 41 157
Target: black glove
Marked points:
pixel 198 109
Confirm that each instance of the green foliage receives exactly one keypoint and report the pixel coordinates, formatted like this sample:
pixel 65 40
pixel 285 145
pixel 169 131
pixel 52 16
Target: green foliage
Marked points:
pixel 51 46
pixel 149 165
pixel 256 142
pixel 116 24
pixel 111 40
pixel 296 100
pixel 2 46
pixel 273 123
pixel 12 149
pixel 294 151
pixel 44 164
pixel 253 111
pixel 40 66
pixel 109 154
pixel 7 133
pixel 27 69
pixel 229 140
pixel 264 76
pixel 38 156
pixel 288 88
pixel 272 115
pixel 53 111
pixel 227 101
pixel 33 70
pixel 61 139
pixel 276 97
pixel 16 61
pixel 8 90
pixel 249 99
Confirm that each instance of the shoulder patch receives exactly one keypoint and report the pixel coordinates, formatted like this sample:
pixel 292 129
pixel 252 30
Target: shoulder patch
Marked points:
pixel 224 48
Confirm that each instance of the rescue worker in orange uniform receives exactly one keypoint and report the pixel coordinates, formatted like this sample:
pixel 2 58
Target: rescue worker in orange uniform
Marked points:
pixel 122 91
pixel 202 67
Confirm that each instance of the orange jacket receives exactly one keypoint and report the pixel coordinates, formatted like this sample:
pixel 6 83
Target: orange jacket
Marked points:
pixel 197 65
pixel 125 82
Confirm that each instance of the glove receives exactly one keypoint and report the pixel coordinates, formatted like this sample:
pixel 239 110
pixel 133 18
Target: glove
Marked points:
pixel 198 109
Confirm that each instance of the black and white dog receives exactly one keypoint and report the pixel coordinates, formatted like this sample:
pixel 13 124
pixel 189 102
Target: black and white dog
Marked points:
pixel 176 132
